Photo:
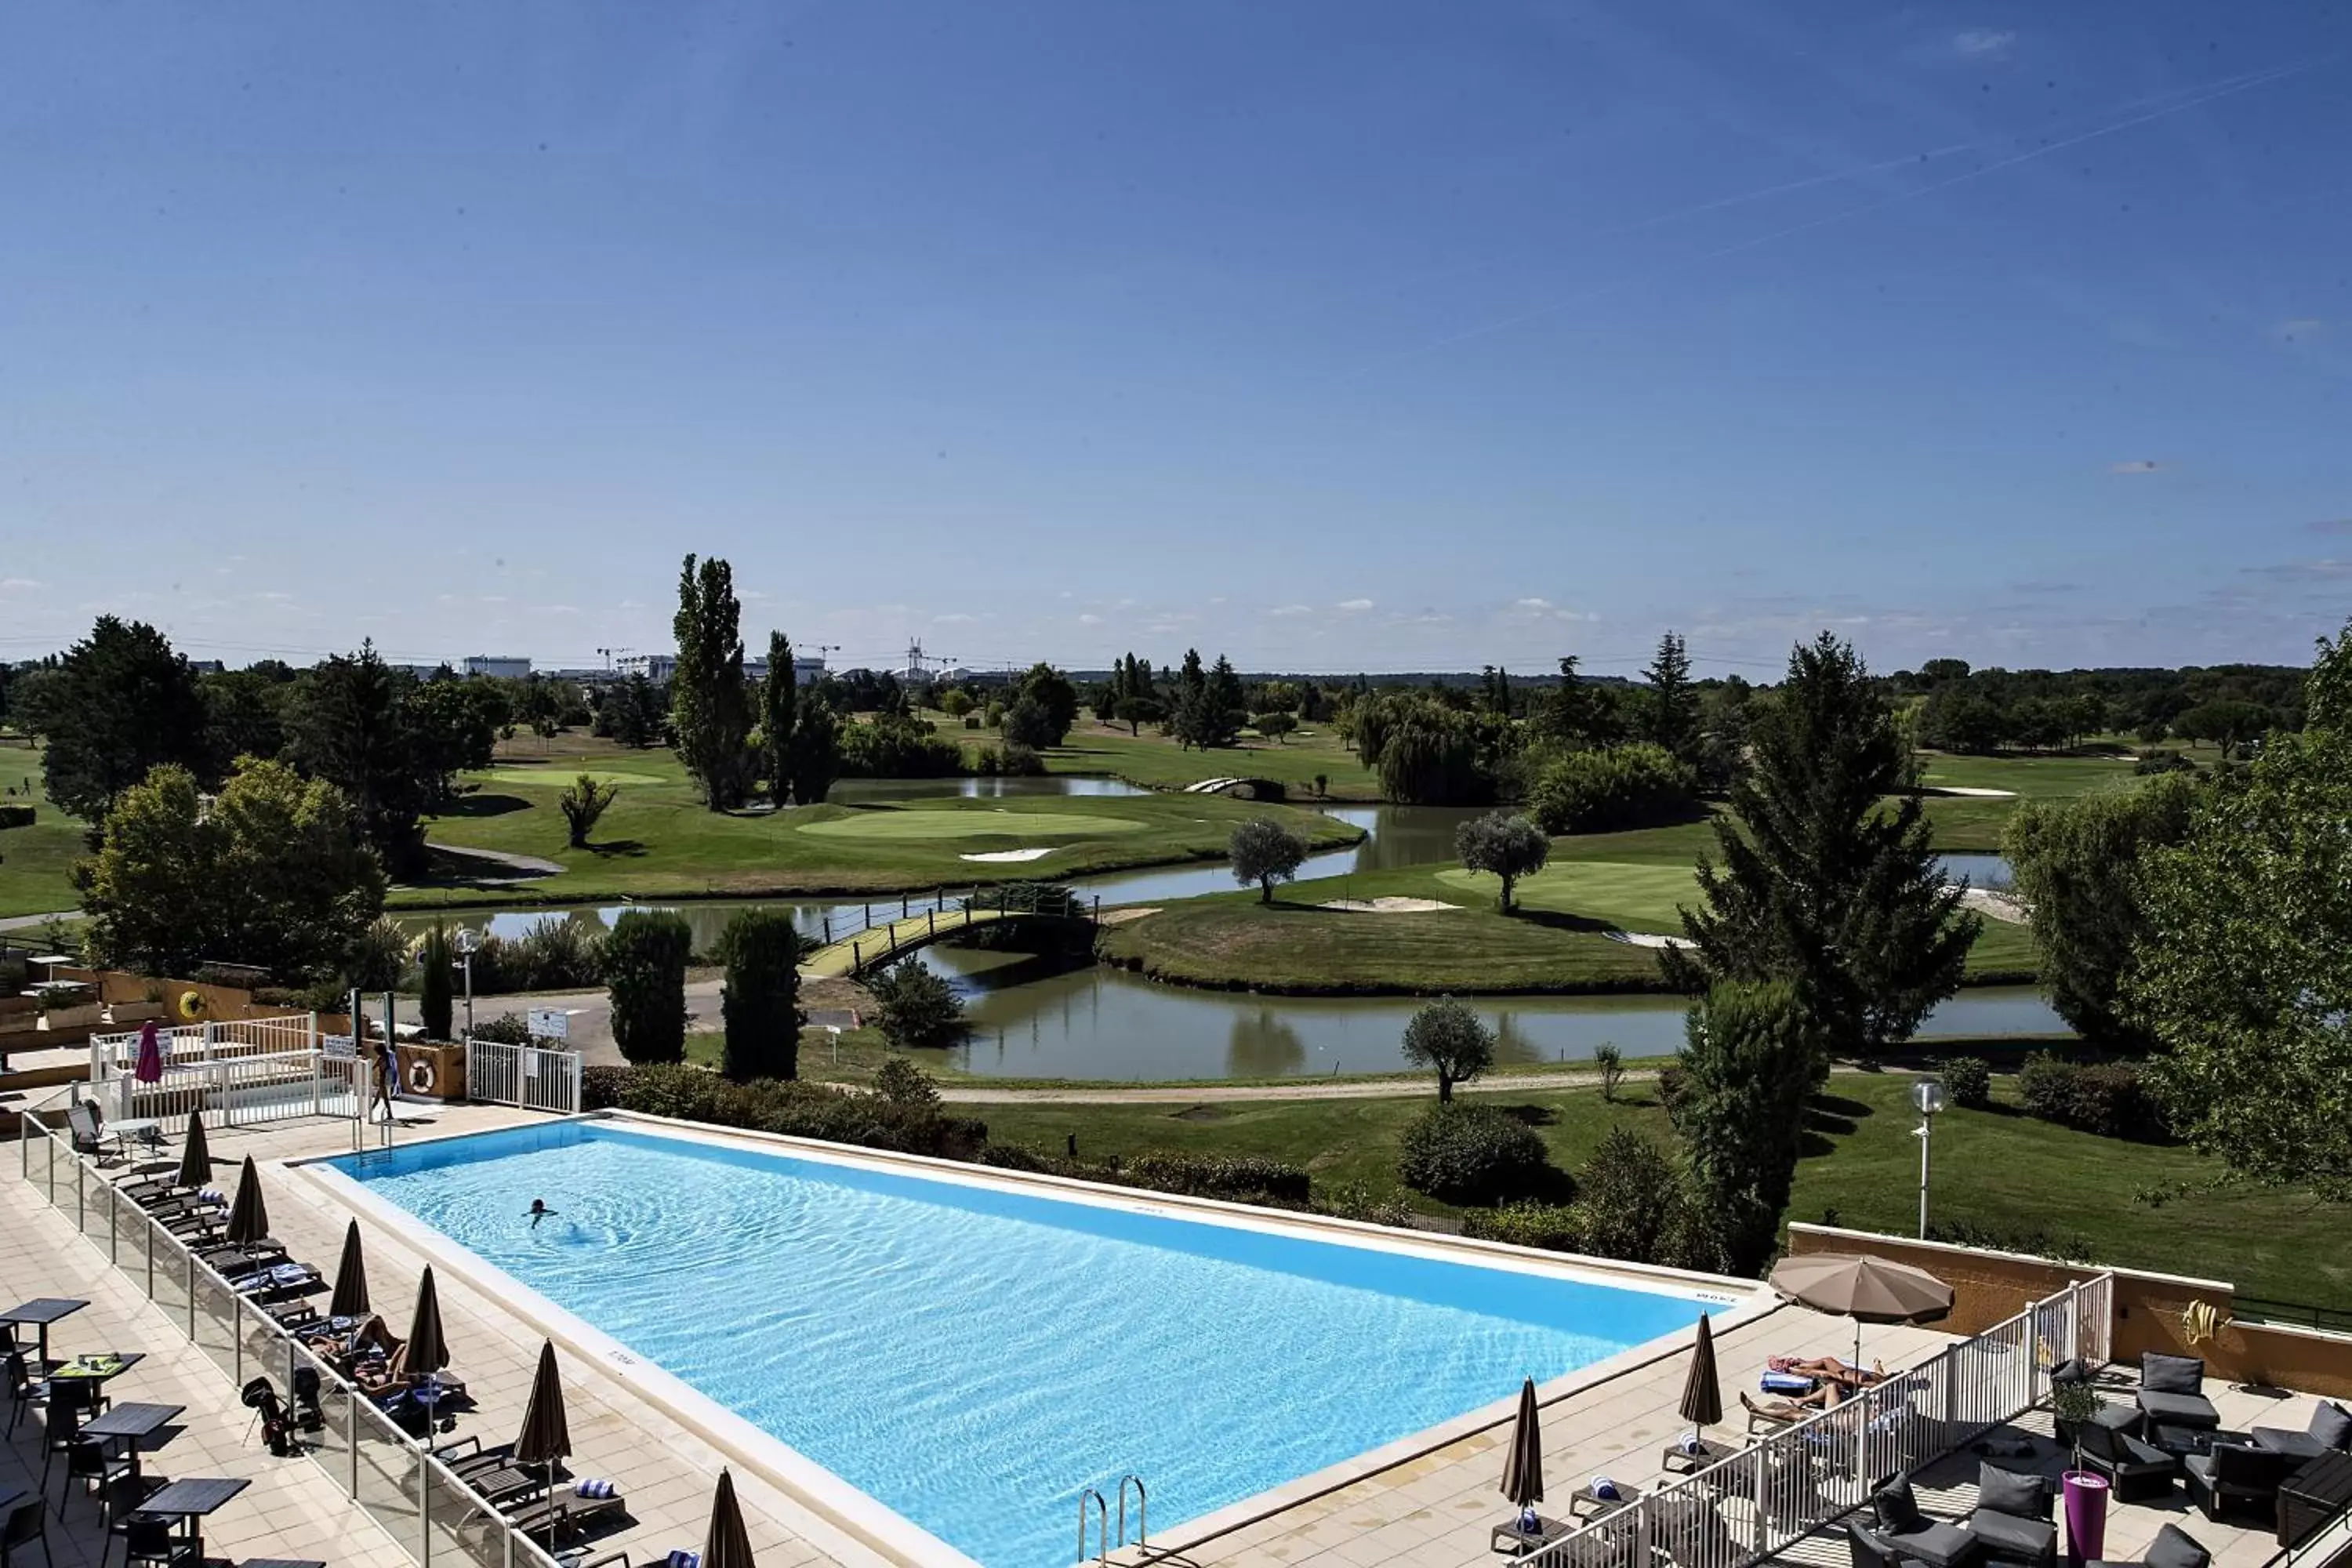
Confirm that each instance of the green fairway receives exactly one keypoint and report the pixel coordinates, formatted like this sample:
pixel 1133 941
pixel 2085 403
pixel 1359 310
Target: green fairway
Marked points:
pixel 659 840
pixel 2029 776
pixel 35 861
pixel 1000 821
pixel 1997 1170
pixel 1641 898
pixel 1156 760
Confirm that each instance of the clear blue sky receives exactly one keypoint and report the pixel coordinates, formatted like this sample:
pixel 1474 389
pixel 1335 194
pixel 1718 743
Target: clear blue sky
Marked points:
pixel 1331 333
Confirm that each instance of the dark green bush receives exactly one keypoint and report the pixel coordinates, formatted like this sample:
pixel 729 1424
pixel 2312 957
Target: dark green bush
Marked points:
pixel 1968 1081
pixel 796 1109
pixel 1469 1153
pixel 2162 763
pixel 918 1007
pixel 1558 1226
pixel 2045 1086
pixel 901 1082
pixel 2109 1098
pixel 645 963
pixel 508 1029
pixel 897 749
pixel 1610 789
pixel 1674 1081
pixel 1634 1203
pixel 759 1005
pixel 16 814
pixel 1235 1179
pixel 433 984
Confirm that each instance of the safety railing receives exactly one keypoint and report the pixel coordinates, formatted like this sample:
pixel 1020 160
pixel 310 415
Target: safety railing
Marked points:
pixel 244 1071
pixel 389 1475
pixel 532 1077
pixel 1790 1483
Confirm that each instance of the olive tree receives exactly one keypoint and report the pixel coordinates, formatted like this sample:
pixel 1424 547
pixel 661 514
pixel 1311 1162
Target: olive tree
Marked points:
pixel 1504 844
pixel 1265 852
pixel 1447 1037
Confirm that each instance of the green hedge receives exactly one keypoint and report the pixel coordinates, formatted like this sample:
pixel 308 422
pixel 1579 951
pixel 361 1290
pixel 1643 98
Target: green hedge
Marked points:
pixel 1238 1179
pixel 17 815
pixel 1467 1153
pixel 797 1109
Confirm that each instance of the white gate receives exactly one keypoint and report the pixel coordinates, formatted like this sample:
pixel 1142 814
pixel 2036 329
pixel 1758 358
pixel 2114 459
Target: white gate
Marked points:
pixel 237 1073
pixel 529 1076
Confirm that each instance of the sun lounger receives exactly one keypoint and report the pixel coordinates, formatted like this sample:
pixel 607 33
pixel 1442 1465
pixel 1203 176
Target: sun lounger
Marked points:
pixel 560 1512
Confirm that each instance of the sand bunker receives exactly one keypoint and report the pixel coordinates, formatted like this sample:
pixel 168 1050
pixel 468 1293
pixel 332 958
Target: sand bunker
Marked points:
pixel 1997 905
pixel 1387 905
pixel 1645 939
pixel 1037 853
pixel 1971 793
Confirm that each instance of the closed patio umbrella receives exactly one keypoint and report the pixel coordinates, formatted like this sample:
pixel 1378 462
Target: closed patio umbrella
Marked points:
pixel 1867 1290
pixel 1702 1404
pixel 427 1351
pixel 149 1069
pixel 1523 1460
pixel 195 1156
pixel 546 1435
pixel 727 1546
pixel 249 1217
pixel 351 1298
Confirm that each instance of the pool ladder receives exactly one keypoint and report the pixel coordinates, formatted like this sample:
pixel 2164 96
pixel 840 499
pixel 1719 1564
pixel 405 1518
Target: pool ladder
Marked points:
pixel 1104 1544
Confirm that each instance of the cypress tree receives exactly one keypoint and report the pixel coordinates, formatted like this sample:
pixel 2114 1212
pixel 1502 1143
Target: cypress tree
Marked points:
pixel 710 709
pixel 1670 711
pixel 645 974
pixel 776 717
pixel 433 1002
pixel 760 1000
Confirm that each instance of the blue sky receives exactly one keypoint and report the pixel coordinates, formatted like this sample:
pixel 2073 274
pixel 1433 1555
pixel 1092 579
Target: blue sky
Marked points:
pixel 1334 334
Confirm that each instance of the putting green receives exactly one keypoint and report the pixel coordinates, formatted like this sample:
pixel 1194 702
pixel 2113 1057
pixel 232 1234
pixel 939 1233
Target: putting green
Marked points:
pixel 1632 896
pixel 906 824
pixel 561 778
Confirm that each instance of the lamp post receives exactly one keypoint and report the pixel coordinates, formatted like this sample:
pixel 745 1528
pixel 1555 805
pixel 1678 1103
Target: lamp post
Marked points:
pixel 467 943
pixel 1928 1096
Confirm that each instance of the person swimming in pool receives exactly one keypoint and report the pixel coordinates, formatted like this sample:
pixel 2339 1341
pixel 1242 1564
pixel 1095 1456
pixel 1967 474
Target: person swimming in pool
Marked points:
pixel 540 1211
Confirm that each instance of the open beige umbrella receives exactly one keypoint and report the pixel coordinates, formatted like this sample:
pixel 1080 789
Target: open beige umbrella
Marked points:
pixel 728 1545
pixel 1867 1290
pixel 249 1217
pixel 427 1351
pixel 196 1156
pixel 1523 1460
pixel 1702 1404
pixel 351 1298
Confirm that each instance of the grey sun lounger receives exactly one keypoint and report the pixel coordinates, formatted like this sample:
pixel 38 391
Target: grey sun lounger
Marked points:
pixel 560 1512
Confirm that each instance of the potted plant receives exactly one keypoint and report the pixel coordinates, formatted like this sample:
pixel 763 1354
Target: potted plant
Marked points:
pixel 2073 1404
pixel 69 1006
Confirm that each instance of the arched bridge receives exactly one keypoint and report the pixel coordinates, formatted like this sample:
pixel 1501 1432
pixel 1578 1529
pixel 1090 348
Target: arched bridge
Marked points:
pixel 1248 789
pixel 876 946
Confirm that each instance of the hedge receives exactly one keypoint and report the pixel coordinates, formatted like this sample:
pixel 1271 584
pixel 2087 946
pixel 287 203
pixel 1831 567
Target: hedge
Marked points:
pixel 796 1110
pixel 1466 1154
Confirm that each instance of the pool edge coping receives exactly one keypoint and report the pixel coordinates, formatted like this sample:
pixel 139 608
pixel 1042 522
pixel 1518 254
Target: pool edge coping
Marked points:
pixel 871 1524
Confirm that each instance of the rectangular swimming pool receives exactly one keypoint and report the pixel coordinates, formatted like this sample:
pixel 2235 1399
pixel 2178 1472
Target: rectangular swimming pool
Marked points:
pixel 972 1355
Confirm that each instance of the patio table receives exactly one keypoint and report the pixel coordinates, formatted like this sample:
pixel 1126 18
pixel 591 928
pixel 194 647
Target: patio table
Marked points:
pixel 127 1423
pixel 39 1313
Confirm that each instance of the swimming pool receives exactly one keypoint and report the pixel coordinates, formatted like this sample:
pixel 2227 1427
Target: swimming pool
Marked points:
pixel 970 1355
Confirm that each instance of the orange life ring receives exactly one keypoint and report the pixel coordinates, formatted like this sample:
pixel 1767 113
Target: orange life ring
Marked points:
pixel 420 1076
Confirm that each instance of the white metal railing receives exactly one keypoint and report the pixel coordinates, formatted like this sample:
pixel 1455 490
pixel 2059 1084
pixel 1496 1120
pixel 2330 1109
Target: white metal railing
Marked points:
pixel 394 1479
pixel 532 1077
pixel 242 1070
pixel 1790 1483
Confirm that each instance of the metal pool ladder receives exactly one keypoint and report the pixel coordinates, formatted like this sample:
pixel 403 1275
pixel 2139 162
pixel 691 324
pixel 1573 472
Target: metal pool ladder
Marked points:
pixel 1104 1542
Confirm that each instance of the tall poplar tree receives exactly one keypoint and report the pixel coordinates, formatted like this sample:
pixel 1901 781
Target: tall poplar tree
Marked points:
pixel 776 717
pixel 711 709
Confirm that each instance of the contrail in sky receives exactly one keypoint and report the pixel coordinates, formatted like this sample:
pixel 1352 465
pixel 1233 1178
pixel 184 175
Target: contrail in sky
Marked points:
pixel 2225 88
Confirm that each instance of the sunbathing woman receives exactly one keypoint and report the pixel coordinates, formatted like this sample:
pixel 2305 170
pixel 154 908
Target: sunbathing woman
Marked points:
pixel 1800 1408
pixel 1829 1369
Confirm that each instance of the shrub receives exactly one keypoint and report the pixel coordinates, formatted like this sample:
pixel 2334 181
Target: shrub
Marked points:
pixel 918 1007
pixel 2162 763
pixel 2066 1248
pixel 972 721
pixel 600 1088
pixel 1357 1202
pixel 380 957
pixel 1235 1179
pixel 645 963
pixel 1028 722
pixel 1558 1226
pixel 16 814
pixel 554 953
pixel 585 800
pixel 901 1082
pixel 511 1030
pixel 760 1001
pixel 2109 1098
pixel 1610 1062
pixel 893 748
pixel 1633 1201
pixel 1017 761
pixel 1968 1081
pixel 796 1109
pixel 1612 789
pixel 1673 1083
pixel 1470 1155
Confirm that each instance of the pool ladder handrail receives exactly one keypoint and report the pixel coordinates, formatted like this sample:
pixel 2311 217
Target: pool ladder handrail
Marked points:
pixel 1102 1533
pixel 1142 1524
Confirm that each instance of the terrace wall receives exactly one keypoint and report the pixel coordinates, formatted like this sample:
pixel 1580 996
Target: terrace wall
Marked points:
pixel 1989 1286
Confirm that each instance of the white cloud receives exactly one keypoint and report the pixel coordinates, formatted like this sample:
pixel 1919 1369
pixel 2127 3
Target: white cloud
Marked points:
pixel 630 605
pixel 1293 610
pixel 1531 604
pixel 1090 619
pixel 1355 604
pixel 954 618
pixel 493 599
pixel 1982 43
pixel 8 583
pixel 2134 466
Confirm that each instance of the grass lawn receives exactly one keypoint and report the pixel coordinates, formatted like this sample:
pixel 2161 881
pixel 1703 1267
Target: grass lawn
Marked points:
pixel 657 840
pixel 1154 760
pixel 1555 941
pixel 1995 1169
pixel 2031 775
pixel 35 862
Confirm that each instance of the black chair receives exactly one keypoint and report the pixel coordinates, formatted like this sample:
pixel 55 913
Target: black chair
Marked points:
pixel 61 1434
pixel 2171 1392
pixel 28 1521
pixel 1867 1550
pixel 2236 1475
pixel 149 1538
pixel 2136 1471
pixel 2172 1548
pixel 99 1471
pixel 2014 1517
pixel 2330 1429
pixel 23 1387
pixel 1910 1535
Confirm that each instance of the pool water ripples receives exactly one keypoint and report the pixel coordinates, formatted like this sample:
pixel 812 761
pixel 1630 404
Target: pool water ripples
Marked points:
pixel 973 1357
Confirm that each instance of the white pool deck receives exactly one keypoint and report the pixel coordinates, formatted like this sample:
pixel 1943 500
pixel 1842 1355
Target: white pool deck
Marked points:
pixel 1433 1509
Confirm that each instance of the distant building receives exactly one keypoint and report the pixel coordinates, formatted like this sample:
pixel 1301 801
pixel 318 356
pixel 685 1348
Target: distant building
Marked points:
pixel 504 665
pixel 655 666
pixel 805 672
pixel 207 667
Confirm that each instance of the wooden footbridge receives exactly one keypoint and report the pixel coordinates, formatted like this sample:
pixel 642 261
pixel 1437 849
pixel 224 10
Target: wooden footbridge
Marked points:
pixel 878 945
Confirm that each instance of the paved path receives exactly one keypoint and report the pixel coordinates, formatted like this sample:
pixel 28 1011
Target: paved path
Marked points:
pixel 527 865
pixel 27 922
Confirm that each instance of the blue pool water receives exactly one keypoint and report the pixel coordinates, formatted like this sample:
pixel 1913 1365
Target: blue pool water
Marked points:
pixel 973 1357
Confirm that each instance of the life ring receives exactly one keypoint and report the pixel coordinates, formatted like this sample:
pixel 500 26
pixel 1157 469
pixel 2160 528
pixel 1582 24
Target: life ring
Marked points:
pixel 420 1076
pixel 192 1003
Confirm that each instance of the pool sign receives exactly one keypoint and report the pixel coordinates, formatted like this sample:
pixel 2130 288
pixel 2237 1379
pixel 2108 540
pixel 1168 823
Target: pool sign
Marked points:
pixel 550 1024
pixel 337 1048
